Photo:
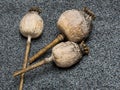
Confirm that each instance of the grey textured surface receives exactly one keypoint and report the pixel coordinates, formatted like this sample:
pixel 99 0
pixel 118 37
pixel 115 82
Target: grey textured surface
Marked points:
pixel 100 70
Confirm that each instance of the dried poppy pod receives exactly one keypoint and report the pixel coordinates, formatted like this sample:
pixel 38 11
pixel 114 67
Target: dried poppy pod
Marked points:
pixel 64 54
pixel 75 25
pixel 31 26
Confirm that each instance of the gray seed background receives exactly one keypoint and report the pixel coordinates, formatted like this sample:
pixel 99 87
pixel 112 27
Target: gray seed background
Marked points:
pixel 100 70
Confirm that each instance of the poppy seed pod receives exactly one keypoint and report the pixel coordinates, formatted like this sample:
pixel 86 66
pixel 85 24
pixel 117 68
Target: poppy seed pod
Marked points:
pixel 75 24
pixel 31 24
pixel 64 54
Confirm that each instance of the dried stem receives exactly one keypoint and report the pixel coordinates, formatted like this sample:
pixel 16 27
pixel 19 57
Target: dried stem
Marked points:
pixel 59 38
pixel 40 63
pixel 25 62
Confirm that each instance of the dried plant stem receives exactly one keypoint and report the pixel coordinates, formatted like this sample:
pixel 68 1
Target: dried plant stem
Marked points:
pixel 59 38
pixel 42 62
pixel 25 62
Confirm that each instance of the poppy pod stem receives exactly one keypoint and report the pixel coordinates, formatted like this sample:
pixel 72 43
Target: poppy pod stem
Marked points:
pixel 25 62
pixel 40 63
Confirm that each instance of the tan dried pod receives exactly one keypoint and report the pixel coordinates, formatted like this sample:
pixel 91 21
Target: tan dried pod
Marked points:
pixel 64 54
pixel 31 26
pixel 75 25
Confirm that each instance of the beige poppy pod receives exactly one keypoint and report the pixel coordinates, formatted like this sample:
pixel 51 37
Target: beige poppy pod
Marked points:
pixel 64 54
pixel 75 24
pixel 31 24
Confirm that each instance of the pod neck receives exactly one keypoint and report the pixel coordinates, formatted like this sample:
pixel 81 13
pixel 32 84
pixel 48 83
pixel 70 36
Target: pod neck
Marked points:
pixel 29 39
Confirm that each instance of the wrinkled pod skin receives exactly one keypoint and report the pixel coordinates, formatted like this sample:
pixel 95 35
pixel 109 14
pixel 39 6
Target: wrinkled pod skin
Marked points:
pixel 31 24
pixel 66 54
pixel 75 24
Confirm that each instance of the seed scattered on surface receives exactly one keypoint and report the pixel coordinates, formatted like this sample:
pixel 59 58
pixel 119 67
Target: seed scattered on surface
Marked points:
pixel 75 25
pixel 64 55
pixel 31 26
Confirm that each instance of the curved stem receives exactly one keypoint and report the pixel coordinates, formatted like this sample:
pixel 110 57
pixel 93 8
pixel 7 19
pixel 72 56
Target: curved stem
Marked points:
pixel 59 38
pixel 25 62
pixel 40 63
